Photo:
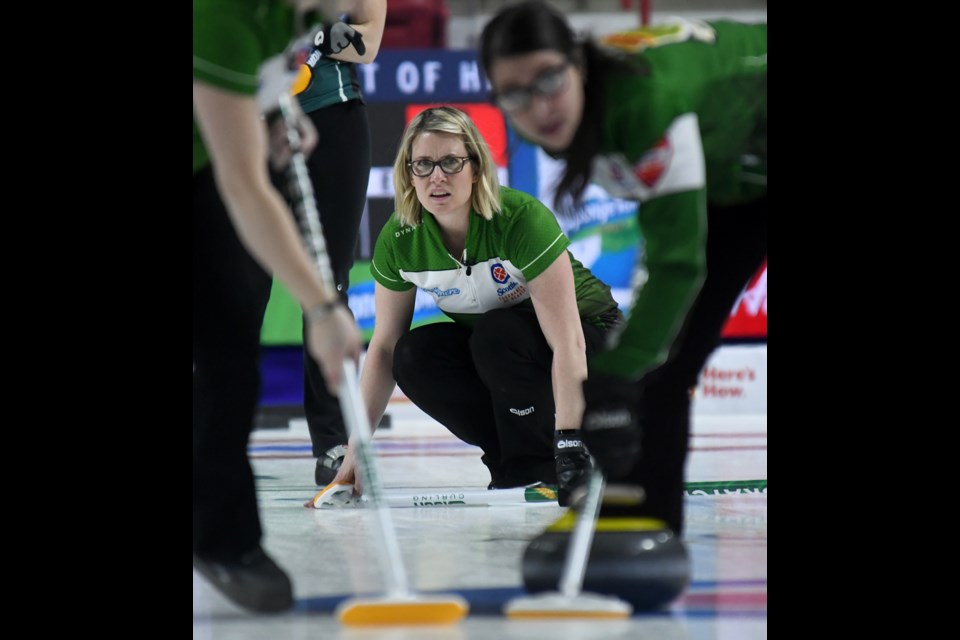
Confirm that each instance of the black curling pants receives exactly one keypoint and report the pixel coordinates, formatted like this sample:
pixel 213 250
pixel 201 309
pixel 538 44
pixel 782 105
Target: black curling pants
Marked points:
pixel 339 169
pixel 736 247
pixel 230 293
pixel 490 385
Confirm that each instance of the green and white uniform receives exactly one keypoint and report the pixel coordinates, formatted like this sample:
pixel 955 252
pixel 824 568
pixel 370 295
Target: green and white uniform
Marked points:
pixel 690 130
pixel 502 256
pixel 231 40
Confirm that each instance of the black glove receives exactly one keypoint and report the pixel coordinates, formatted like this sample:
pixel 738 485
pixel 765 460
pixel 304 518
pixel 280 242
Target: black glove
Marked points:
pixel 610 428
pixel 572 463
pixel 336 37
pixel 323 40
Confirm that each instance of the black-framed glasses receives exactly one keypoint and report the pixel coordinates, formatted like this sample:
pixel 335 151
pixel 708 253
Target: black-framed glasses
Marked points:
pixel 448 164
pixel 549 83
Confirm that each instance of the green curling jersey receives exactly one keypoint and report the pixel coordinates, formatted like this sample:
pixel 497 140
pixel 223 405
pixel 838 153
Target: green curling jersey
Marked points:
pixel 333 82
pixel 231 39
pixel 691 129
pixel 501 257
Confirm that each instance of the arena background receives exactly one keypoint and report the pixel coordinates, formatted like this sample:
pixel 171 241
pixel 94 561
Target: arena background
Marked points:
pixel 603 230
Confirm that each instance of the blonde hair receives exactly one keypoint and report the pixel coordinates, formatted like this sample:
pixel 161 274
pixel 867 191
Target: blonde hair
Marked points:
pixel 486 191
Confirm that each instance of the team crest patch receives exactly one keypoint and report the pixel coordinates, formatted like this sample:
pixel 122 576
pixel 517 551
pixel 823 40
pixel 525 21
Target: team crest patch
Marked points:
pixel 654 163
pixel 499 273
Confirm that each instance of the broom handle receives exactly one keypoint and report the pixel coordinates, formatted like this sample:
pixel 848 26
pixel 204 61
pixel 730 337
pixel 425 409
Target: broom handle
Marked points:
pixel 351 403
pixel 355 415
pixel 305 202
pixel 571 581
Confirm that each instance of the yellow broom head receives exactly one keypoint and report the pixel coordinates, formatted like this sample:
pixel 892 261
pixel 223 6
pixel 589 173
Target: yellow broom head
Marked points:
pixel 335 494
pixel 402 609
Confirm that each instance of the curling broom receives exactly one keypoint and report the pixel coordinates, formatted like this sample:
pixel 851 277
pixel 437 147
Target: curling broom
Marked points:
pixel 571 601
pixel 400 605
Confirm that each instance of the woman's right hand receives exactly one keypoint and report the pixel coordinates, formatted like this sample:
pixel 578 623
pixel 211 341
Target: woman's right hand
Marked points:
pixel 347 473
pixel 332 339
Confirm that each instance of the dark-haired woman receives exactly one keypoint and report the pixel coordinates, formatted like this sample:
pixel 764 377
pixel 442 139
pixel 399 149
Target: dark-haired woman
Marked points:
pixel 674 117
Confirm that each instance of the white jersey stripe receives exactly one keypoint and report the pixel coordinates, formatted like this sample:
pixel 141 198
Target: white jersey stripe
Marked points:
pixel 382 274
pixel 555 241
pixel 223 72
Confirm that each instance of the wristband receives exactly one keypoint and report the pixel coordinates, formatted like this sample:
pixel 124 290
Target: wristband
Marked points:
pixel 321 311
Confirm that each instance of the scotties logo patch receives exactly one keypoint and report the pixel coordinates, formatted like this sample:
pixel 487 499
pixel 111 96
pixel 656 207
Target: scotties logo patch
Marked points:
pixel 654 162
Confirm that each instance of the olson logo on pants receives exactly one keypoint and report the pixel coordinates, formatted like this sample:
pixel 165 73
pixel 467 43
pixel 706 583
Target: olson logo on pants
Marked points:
pixel 521 412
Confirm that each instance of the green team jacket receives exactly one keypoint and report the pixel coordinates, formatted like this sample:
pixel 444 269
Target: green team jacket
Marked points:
pixel 504 254
pixel 231 39
pixel 693 129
